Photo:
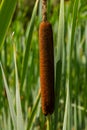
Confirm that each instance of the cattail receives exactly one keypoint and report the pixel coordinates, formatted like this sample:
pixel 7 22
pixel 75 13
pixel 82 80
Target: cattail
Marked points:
pixel 46 67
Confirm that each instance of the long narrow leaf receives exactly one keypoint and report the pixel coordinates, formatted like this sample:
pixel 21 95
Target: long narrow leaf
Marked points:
pixel 6 12
pixel 60 43
pixel 20 122
pixel 33 111
pixel 29 37
pixel 66 108
pixel 60 40
pixel 10 102
pixel 74 21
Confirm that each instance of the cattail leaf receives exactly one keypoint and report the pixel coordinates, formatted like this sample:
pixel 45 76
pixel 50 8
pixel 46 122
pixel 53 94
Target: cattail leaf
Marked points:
pixel 57 90
pixel 40 13
pixel 10 102
pixel 6 13
pixel 74 21
pixel 75 117
pixel 20 122
pixel 67 106
pixel 60 42
pixel 4 120
pixel 32 115
pixel 9 121
pixel 29 33
pixel 70 47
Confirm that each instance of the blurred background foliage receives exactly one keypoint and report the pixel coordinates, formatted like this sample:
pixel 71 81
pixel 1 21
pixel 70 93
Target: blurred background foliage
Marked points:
pixel 17 34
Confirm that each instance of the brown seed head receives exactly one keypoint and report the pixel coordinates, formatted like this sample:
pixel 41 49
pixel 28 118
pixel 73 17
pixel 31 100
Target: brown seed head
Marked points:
pixel 46 67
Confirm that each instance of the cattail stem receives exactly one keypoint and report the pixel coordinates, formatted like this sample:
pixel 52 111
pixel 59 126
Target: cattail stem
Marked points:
pixel 44 10
pixel 48 122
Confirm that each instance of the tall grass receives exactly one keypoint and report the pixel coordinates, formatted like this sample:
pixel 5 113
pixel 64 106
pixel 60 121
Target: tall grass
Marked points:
pixel 20 105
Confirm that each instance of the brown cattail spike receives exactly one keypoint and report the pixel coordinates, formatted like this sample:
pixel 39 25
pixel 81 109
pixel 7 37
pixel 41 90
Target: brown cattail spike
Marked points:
pixel 46 67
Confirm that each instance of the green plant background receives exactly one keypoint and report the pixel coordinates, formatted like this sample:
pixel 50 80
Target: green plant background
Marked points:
pixel 20 105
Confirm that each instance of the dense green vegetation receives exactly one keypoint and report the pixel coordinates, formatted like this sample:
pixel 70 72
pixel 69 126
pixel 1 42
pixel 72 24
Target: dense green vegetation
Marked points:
pixel 20 105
